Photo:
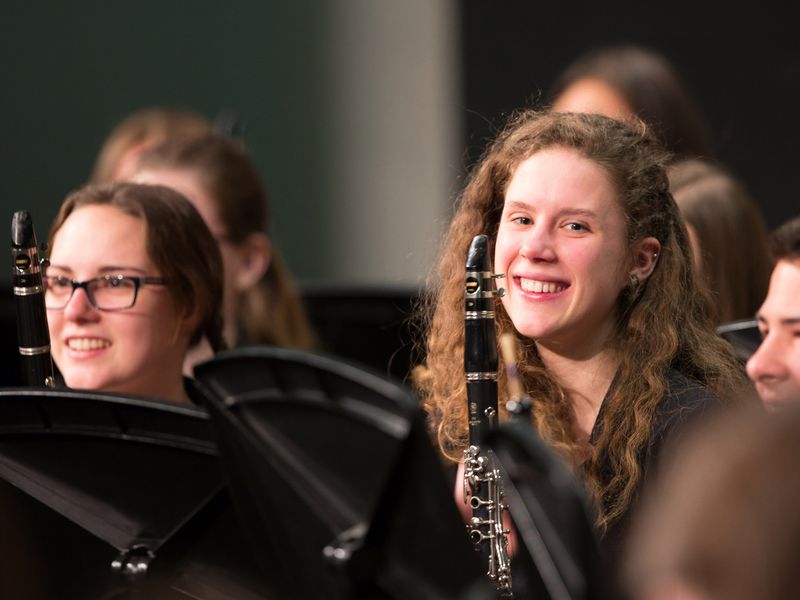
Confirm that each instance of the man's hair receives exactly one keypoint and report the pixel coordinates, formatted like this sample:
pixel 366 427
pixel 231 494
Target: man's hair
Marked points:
pixel 786 241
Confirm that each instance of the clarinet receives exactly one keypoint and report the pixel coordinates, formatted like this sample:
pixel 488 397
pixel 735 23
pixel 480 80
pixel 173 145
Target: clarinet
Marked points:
pixel 481 473
pixel 32 333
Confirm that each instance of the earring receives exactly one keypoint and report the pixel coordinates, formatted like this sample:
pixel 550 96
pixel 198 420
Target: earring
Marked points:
pixel 634 281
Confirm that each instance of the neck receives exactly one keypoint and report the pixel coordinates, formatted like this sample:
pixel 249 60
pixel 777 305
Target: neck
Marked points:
pixel 175 393
pixel 585 379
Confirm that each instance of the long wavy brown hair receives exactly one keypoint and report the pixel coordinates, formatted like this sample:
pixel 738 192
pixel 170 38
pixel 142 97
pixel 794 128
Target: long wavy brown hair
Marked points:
pixel 666 325
pixel 721 210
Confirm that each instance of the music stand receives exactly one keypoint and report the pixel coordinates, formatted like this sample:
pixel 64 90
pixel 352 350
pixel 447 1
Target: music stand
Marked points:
pixel 334 473
pixel 109 496
pixel 560 555
pixel 743 335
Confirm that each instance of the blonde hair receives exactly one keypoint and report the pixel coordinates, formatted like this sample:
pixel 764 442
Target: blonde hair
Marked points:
pixel 143 129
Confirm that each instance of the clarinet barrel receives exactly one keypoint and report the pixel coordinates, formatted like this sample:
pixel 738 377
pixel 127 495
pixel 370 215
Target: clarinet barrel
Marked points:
pixel 32 332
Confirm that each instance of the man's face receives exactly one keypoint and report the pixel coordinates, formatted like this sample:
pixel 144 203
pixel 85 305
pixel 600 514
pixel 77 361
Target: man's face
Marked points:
pixel 775 366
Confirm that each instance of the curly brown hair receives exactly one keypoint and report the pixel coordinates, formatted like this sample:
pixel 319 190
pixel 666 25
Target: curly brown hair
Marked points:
pixel 665 325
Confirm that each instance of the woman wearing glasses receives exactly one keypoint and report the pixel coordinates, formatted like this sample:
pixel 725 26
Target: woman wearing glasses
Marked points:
pixel 135 278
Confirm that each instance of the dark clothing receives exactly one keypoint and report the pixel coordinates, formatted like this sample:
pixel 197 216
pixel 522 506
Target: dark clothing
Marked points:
pixel 684 402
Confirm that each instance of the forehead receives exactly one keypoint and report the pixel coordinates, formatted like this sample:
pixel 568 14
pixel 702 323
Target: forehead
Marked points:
pixel 783 297
pixel 186 182
pixel 561 175
pixel 100 234
pixel 593 95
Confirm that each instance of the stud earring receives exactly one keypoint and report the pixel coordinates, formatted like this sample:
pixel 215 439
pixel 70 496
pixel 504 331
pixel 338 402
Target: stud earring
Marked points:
pixel 634 281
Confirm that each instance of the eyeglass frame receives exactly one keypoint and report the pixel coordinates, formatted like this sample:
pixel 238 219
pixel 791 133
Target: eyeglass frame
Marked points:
pixel 138 282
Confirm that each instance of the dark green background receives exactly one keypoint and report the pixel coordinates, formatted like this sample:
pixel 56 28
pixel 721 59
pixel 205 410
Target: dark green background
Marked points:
pixel 71 70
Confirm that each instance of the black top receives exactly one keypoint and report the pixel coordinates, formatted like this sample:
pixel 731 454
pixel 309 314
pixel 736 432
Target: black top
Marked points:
pixel 684 402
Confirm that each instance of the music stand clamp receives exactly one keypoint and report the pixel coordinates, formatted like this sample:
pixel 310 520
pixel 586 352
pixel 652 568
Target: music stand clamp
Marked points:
pixel 132 564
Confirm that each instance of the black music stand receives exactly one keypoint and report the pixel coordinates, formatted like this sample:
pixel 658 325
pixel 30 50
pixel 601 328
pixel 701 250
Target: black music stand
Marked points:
pixel 335 475
pixel 108 496
pixel 743 335
pixel 560 557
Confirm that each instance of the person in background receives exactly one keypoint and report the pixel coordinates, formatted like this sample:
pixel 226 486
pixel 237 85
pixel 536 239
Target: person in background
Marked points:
pixel 775 366
pixel 721 520
pixel 134 280
pixel 630 81
pixel 262 304
pixel 617 350
pixel 728 236
pixel 140 131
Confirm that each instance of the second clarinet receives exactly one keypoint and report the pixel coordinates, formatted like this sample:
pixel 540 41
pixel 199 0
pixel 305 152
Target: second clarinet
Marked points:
pixel 32 331
pixel 481 473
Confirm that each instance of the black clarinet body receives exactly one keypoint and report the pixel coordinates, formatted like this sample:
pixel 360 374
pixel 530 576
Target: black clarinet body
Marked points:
pixel 481 473
pixel 33 334
pixel 480 341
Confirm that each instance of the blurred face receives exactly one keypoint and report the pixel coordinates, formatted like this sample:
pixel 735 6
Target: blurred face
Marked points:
pixel 562 244
pixel 775 366
pixel 593 96
pixel 138 350
pixel 186 183
pixel 127 163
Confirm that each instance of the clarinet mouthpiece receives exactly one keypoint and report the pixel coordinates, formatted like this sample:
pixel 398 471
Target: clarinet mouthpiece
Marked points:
pixel 22 229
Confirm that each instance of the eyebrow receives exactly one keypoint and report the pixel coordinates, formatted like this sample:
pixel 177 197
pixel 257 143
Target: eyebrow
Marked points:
pixel 783 321
pixel 104 269
pixel 584 212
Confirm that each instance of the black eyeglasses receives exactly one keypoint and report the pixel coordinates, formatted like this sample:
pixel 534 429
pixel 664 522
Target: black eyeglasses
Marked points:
pixel 108 292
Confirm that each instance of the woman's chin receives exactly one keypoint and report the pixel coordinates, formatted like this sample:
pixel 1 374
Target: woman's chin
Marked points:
pixel 83 381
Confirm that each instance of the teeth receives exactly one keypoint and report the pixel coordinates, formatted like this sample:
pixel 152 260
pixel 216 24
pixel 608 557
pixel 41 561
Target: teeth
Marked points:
pixel 87 343
pixel 541 287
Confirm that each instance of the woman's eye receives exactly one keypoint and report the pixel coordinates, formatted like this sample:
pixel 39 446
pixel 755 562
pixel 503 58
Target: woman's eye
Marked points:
pixel 577 227
pixel 111 281
pixel 522 220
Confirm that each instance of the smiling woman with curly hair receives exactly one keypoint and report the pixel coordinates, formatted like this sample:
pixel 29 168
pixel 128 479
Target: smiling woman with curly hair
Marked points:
pixel 618 349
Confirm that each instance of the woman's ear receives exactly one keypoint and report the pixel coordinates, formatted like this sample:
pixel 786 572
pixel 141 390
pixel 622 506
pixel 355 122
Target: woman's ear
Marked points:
pixel 255 255
pixel 645 257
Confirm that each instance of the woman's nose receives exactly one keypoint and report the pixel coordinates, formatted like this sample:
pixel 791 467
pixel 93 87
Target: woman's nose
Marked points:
pixel 79 308
pixel 538 245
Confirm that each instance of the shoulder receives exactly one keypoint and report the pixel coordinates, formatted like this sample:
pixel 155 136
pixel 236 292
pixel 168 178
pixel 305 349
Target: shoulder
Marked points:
pixel 684 397
pixel 685 402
